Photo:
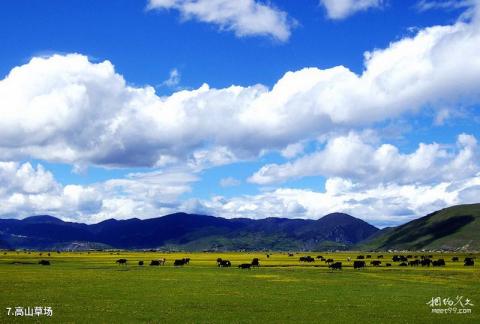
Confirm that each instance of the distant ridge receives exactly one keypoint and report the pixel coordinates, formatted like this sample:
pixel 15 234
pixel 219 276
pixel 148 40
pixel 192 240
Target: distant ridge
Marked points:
pixel 453 228
pixel 43 219
pixel 182 231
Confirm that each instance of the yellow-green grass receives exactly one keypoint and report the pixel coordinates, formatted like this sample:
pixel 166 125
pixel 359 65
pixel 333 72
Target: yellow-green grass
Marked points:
pixel 91 287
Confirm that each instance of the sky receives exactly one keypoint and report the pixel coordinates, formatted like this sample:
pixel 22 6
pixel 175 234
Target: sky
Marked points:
pixel 248 108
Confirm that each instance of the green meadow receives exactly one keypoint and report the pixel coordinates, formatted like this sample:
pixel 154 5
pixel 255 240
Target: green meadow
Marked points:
pixel 92 288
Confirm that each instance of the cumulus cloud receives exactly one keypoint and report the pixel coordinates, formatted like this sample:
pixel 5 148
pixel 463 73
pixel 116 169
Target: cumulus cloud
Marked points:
pixel 352 157
pixel 381 205
pixel 340 9
pixel 243 17
pixel 65 108
pixel 26 190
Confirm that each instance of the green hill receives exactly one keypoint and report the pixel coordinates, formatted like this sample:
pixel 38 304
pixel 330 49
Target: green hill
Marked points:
pixel 453 228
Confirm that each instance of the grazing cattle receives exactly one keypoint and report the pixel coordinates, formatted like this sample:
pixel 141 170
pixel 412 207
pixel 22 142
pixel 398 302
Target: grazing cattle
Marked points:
pixel 179 262
pixel 268 255
pixel 403 264
pixel 409 256
pixel 155 263
pixel 468 262
pixel 375 263
pixel 414 263
pixel 388 264
pixel 438 263
pixel 245 266
pixel 358 264
pixel 186 260
pixel 380 257
pixel 336 266
pixel 307 259
pixel 44 262
pixel 396 258
pixel 140 263
pixel 255 262
pixel 369 256
pixel 121 261
pixel 425 262
pixel 225 264
pixel 219 260
pixel 329 261
pixel 319 257
pixel 290 254
pixel 455 259
pixel 360 257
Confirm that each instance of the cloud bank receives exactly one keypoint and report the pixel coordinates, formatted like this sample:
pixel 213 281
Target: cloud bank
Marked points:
pixel 65 108
pixel 352 157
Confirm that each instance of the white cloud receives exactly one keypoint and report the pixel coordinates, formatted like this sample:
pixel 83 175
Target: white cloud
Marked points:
pixel 381 205
pixel 243 17
pixel 146 195
pixel 25 191
pixel 173 79
pixel 424 5
pixel 351 157
pixel 339 9
pixel 64 108
pixel 293 150
pixel 25 179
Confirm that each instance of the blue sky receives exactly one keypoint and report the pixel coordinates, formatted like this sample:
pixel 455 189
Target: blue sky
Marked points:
pixel 119 109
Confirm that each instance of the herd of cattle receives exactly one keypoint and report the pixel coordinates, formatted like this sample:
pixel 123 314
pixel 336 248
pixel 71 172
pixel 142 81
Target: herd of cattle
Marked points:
pixel 409 260
pixel 402 261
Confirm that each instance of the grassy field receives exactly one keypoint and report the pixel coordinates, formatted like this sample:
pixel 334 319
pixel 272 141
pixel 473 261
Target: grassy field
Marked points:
pixel 82 288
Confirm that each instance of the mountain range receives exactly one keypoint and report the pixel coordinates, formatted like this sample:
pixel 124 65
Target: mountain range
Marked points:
pixel 452 228
pixel 187 232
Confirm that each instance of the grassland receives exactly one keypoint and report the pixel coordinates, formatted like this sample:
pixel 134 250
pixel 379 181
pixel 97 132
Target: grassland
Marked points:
pixel 91 288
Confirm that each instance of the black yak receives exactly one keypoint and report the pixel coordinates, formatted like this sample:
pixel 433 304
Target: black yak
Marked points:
pixel 468 262
pixel 179 262
pixel 358 264
pixel 225 264
pixel 121 261
pixel 375 263
pixel 336 266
